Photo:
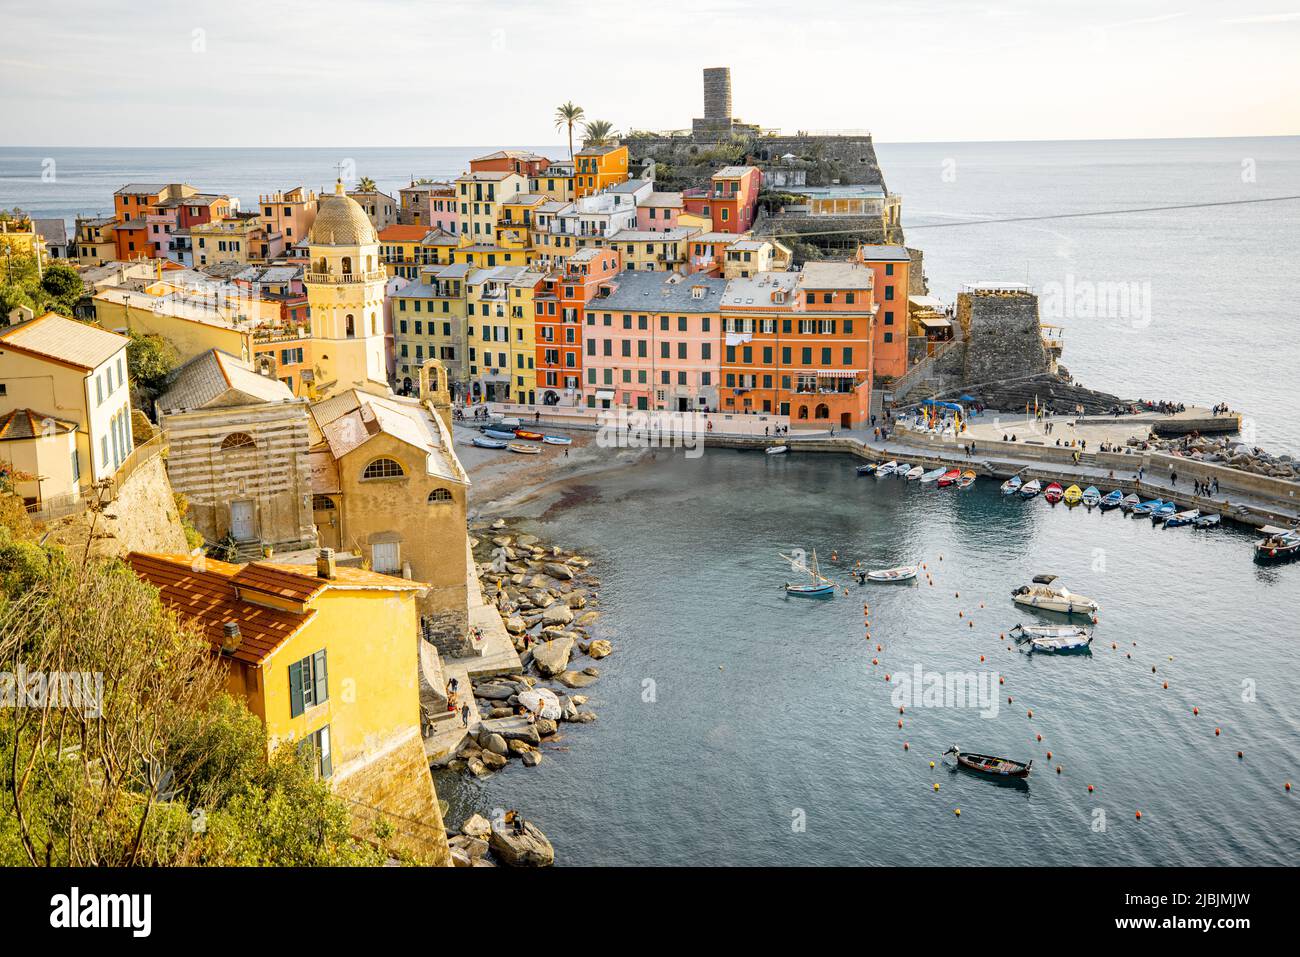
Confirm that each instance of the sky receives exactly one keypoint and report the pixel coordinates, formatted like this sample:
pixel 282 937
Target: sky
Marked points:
pixel 491 72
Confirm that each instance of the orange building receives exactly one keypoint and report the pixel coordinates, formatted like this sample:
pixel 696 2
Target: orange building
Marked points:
pixel 510 161
pixel 598 167
pixel 559 306
pixel 733 198
pixel 891 266
pixel 800 344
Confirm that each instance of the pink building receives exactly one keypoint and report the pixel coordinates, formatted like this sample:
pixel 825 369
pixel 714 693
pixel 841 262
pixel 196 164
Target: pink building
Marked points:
pixel 659 211
pixel 289 213
pixel 652 342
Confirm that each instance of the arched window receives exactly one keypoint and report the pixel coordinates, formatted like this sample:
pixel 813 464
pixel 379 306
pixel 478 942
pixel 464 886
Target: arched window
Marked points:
pixel 349 326
pixel 374 328
pixel 347 265
pixel 237 440
pixel 822 412
pixel 322 503
pixel 439 495
pixel 382 468
pixel 803 411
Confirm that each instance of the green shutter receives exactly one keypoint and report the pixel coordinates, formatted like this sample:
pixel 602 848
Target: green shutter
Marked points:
pixel 318 672
pixel 295 689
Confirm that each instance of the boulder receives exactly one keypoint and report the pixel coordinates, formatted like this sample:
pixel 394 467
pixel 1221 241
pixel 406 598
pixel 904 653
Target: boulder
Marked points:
pixel 519 747
pixel 476 825
pixel 531 759
pixel 514 729
pixel 495 761
pixel 515 625
pixel 558 571
pixel 576 600
pixel 575 679
pixel 558 614
pixel 494 691
pixel 528 849
pixel 546 727
pixel 495 743
pixel 599 648
pixel 551 657
pixel 588 617
pixel 584 717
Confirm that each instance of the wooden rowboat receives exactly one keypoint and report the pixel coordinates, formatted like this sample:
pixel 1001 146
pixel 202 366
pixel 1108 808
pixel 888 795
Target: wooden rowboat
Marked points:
pixel 524 449
pixel 1054 493
pixel 949 477
pixel 557 440
pixel 967 479
pixel 988 764
pixel 530 436
pixel 900 574
pixel 483 443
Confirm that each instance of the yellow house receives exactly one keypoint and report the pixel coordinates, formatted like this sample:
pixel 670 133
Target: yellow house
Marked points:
pixel 327 659
pixel 237 239
pixel 40 453
pixel 492 343
pixel 18 238
pixel 489 256
pixel 654 251
pixel 480 195
pixel 523 333
pixel 598 167
pixel 96 240
pixel 401 250
pixel 71 372
pixel 429 323
pixel 556 182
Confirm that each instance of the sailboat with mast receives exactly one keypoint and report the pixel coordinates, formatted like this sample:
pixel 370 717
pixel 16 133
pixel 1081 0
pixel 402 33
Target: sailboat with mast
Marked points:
pixel 818 585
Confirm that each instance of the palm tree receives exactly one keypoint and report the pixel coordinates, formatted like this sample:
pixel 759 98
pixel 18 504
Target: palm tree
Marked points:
pixel 598 133
pixel 366 185
pixel 567 115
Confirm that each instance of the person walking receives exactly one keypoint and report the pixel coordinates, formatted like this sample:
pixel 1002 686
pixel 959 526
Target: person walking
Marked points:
pixel 464 716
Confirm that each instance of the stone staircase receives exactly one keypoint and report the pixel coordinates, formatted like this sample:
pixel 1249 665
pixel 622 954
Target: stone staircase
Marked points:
pixel 922 381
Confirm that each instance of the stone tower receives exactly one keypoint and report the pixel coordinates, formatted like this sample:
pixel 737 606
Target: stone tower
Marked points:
pixel 345 291
pixel 717 94
pixel 435 390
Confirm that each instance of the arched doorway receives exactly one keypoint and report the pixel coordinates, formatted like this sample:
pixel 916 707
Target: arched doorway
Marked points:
pixel 822 412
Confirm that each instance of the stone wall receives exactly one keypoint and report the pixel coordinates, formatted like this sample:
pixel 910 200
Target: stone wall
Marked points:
pixel 826 159
pixel 1004 340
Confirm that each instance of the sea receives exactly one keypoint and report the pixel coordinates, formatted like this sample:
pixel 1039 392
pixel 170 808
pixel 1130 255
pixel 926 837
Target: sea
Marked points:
pixel 1195 305
pixel 739 726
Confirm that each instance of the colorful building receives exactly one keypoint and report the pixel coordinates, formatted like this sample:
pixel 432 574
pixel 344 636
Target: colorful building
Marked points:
pixel 596 168
pixel 429 323
pixel 799 344
pixel 652 342
pixel 555 182
pixel 289 213
pixel 654 251
pixel 560 307
pixel 379 207
pixel 523 162
pixel 733 198
pixel 659 211
pixel 479 195
pixel 492 347
pixel 891 266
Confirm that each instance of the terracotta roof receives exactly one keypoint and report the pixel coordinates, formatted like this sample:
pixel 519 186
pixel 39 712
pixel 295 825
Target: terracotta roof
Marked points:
pixel 208 597
pixel 403 234
pixel 30 424
pixel 213 593
pixel 74 343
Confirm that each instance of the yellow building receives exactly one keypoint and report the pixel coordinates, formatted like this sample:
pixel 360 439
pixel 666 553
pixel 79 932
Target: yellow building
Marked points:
pixel 523 334
pixel 429 323
pixel 555 182
pixel 18 238
pixel 653 251
pixel 238 239
pixel 490 256
pixel 598 167
pixel 480 195
pixel 96 241
pixel 492 344
pixel 39 451
pixel 345 283
pixel 70 371
pixel 325 658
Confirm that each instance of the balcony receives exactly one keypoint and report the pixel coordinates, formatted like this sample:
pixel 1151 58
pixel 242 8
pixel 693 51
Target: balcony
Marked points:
pixel 336 278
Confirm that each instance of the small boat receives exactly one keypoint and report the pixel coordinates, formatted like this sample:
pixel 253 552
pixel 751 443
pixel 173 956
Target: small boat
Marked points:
pixel 524 449
pixel 900 574
pixel 777 450
pixel 967 479
pixel 901 470
pixel 950 477
pixel 1207 521
pixel 504 421
pixel 1054 493
pixel 1053 640
pixel 1111 500
pixel 1091 496
pixel 1052 597
pixel 1147 507
pixel 818 585
pixel 557 440
pixel 1130 502
pixel 932 476
pixel 868 469
pixel 886 469
pixel 485 443
pixel 498 434
pixel 1183 518
pixel 530 436
pixel 1012 485
pixel 1031 488
pixel 1163 512
pixel 988 764
pixel 915 472
pixel 1074 495
pixel 1279 545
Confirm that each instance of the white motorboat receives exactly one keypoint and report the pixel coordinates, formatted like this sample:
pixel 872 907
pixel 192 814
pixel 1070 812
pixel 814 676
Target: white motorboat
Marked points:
pixel 778 450
pixel 933 475
pixel 900 574
pixel 886 469
pixel 914 473
pixel 1031 488
pixel 1053 597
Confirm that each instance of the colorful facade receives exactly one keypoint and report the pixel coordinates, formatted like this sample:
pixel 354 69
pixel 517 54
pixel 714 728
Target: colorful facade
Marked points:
pixel 560 308
pixel 596 168
pixel 891 267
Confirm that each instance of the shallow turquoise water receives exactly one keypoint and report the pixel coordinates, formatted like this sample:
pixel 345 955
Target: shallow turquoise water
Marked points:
pixel 765 707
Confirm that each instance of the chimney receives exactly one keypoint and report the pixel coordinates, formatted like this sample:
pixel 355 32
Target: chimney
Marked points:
pixel 231 638
pixel 325 567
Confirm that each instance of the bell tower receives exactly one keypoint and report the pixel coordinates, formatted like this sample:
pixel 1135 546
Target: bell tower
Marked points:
pixel 345 291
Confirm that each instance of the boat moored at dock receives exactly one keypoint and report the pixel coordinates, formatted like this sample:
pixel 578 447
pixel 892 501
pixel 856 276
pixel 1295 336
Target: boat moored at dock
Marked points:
pixel 1179 519
pixel 1280 544
pixel 1111 500
pixel 1031 488
pixel 1073 495
pixel 933 475
pixel 1091 497
pixel 1012 485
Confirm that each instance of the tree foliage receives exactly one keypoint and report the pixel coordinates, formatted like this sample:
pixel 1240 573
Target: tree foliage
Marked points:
pixel 149 360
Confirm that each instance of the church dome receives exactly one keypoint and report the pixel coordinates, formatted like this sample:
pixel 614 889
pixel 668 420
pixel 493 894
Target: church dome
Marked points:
pixel 340 221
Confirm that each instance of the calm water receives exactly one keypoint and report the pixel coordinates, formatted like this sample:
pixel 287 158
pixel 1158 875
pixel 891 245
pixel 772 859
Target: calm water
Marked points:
pixel 766 706
pixel 1214 315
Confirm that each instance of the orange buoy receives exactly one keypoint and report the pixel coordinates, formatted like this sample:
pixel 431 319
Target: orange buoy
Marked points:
pixel 1049 755
pixel 1153 669
pixel 900 709
pixel 1196 711
pixel 1003 636
pixel 1113 646
pixel 961 614
pixel 1058 767
pixel 886 677
pixel 971 623
pixel 1288 785
pixel 1139 815
pixel 900 722
pixel 1216 732
pixel 1089 788
pixel 956 594
pixel 1008 699
pixel 1166 685
pixel 1001 680
pixel 1031 712
pixel 1038 737
pixel 981 604
pixel 906 746
pixel 1240 755
pixel 981 657
pixel 1128 654
pixel 875 661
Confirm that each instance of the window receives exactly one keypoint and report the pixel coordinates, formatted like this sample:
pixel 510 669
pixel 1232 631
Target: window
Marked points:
pixel 385 557
pixel 308 683
pixel 382 468
pixel 237 440
pixel 322 503
pixel 315 748
pixel 439 495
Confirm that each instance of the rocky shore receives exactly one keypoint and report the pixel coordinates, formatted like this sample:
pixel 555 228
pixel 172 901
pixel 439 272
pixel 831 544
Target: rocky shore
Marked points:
pixel 1232 453
pixel 546 596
